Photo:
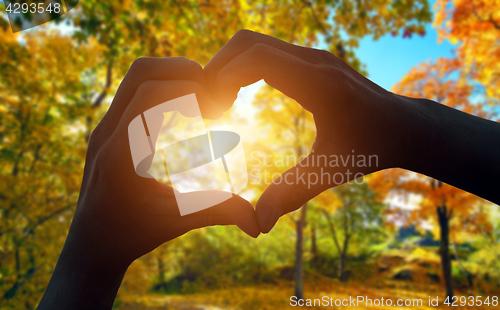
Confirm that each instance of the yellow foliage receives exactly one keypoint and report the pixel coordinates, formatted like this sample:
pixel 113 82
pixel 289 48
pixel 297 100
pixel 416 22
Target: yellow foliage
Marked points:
pixel 475 27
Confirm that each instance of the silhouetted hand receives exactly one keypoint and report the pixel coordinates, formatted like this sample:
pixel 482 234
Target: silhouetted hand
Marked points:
pixel 351 113
pixel 121 216
pixel 356 117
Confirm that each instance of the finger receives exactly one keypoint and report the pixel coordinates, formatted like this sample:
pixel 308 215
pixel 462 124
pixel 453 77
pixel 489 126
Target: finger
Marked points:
pixel 234 211
pixel 285 72
pixel 117 154
pixel 244 40
pixel 152 93
pixel 293 189
pixel 141 70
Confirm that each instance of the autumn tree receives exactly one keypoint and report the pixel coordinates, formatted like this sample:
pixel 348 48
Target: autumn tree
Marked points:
pixel 352 212
pixel 43 93
pixel 289 132
pixel 474 25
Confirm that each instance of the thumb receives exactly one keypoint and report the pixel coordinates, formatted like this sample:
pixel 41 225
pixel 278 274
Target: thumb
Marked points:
pixel 293 189
pixel 234 211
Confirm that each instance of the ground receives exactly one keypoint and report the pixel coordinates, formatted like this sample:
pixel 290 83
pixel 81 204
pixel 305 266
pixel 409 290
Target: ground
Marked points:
pixel 277 296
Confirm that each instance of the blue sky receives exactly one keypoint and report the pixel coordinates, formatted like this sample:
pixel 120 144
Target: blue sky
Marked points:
pixel 390 58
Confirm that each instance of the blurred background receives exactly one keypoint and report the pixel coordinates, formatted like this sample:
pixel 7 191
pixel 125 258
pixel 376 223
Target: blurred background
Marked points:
pixel 396 235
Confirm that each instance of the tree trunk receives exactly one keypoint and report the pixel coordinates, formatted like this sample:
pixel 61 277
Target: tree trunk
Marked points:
pixel 161 270
pixel 342 260
pixel 160 263
pixel 98 101
pixel 340 251
pixel 299 253
pixel 314 247
pixel 341 267
pixel 444 251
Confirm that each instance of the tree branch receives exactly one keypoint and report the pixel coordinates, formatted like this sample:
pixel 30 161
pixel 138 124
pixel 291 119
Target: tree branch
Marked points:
pixel 98 101
pixel 332 230
pixel 109 76
pixel 35 157
pixel 495 24
pixel 30 230
pixel 20 281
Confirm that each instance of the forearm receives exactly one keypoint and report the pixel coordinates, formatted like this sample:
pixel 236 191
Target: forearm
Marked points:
pixel 452 146
pixel 81 280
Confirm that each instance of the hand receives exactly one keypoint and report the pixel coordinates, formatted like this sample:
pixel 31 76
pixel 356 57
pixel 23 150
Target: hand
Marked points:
pixel 121 216
pixel 353 116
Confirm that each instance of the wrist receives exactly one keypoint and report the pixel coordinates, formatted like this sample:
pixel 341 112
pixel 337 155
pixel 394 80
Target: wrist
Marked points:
pixel 414 125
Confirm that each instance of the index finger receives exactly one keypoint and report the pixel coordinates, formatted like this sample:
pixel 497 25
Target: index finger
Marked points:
pixel 244 40
pixel 277 63
pixel 145 69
